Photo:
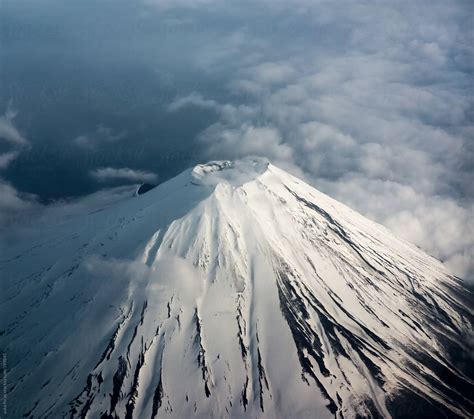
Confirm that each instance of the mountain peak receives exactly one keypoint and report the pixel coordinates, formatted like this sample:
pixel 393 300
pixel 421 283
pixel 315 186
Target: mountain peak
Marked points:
pixel 235 172
pixel 232 290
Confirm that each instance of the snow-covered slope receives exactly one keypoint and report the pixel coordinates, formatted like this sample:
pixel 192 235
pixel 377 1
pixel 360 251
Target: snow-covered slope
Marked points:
pixel 233 290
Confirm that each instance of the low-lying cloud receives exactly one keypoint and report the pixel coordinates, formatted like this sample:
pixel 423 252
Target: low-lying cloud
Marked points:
pixel 8 131
pixel 10 138
pixel 12 202
pixel 101 136
pixel 107 174
pixel 171 276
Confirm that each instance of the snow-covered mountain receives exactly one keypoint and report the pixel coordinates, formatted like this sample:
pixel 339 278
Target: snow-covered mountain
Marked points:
pixel 233 290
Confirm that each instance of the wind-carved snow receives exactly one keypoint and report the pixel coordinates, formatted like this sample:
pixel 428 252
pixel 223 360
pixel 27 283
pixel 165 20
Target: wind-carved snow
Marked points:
pixel 233 290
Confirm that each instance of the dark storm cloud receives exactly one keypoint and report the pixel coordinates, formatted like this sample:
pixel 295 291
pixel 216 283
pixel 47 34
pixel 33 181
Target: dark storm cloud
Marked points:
pixel 369 101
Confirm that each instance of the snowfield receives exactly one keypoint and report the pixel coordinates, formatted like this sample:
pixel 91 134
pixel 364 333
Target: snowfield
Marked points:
pixel 234 290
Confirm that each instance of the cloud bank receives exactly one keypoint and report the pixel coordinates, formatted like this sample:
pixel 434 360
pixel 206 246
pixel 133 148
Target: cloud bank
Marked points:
pixel 12 202
pixel 371 102
pixel 380 118
pixel 101 136
pixel 107 174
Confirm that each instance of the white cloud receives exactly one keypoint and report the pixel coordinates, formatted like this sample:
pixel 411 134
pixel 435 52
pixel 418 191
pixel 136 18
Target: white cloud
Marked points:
pixel 13 204
pixel 174 275
pixel 102 135
pixel 8 131
pixel 7 158
pixel 269 72
pixel 10 135
pixel 194 99
pixel 372 101
pixel 246 140
pixel 107 174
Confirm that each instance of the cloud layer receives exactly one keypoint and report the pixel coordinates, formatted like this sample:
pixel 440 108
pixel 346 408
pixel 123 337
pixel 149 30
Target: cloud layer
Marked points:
pixel 101 136
pixel 12 202
pixel 380 118
pixel 371 102
pixel 107 174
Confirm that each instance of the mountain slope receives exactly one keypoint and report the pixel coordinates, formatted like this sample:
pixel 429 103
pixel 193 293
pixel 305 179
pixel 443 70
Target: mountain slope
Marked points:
pixel 232 290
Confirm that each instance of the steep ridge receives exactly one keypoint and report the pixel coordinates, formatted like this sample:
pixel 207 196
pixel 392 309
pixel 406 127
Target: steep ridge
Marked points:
pixel 232 290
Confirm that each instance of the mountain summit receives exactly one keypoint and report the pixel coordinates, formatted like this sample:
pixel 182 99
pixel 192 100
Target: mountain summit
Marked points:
pixel 233 290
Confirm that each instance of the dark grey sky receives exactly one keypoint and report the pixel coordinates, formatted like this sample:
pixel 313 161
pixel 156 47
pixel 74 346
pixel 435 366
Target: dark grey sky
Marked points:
pixel 371 102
